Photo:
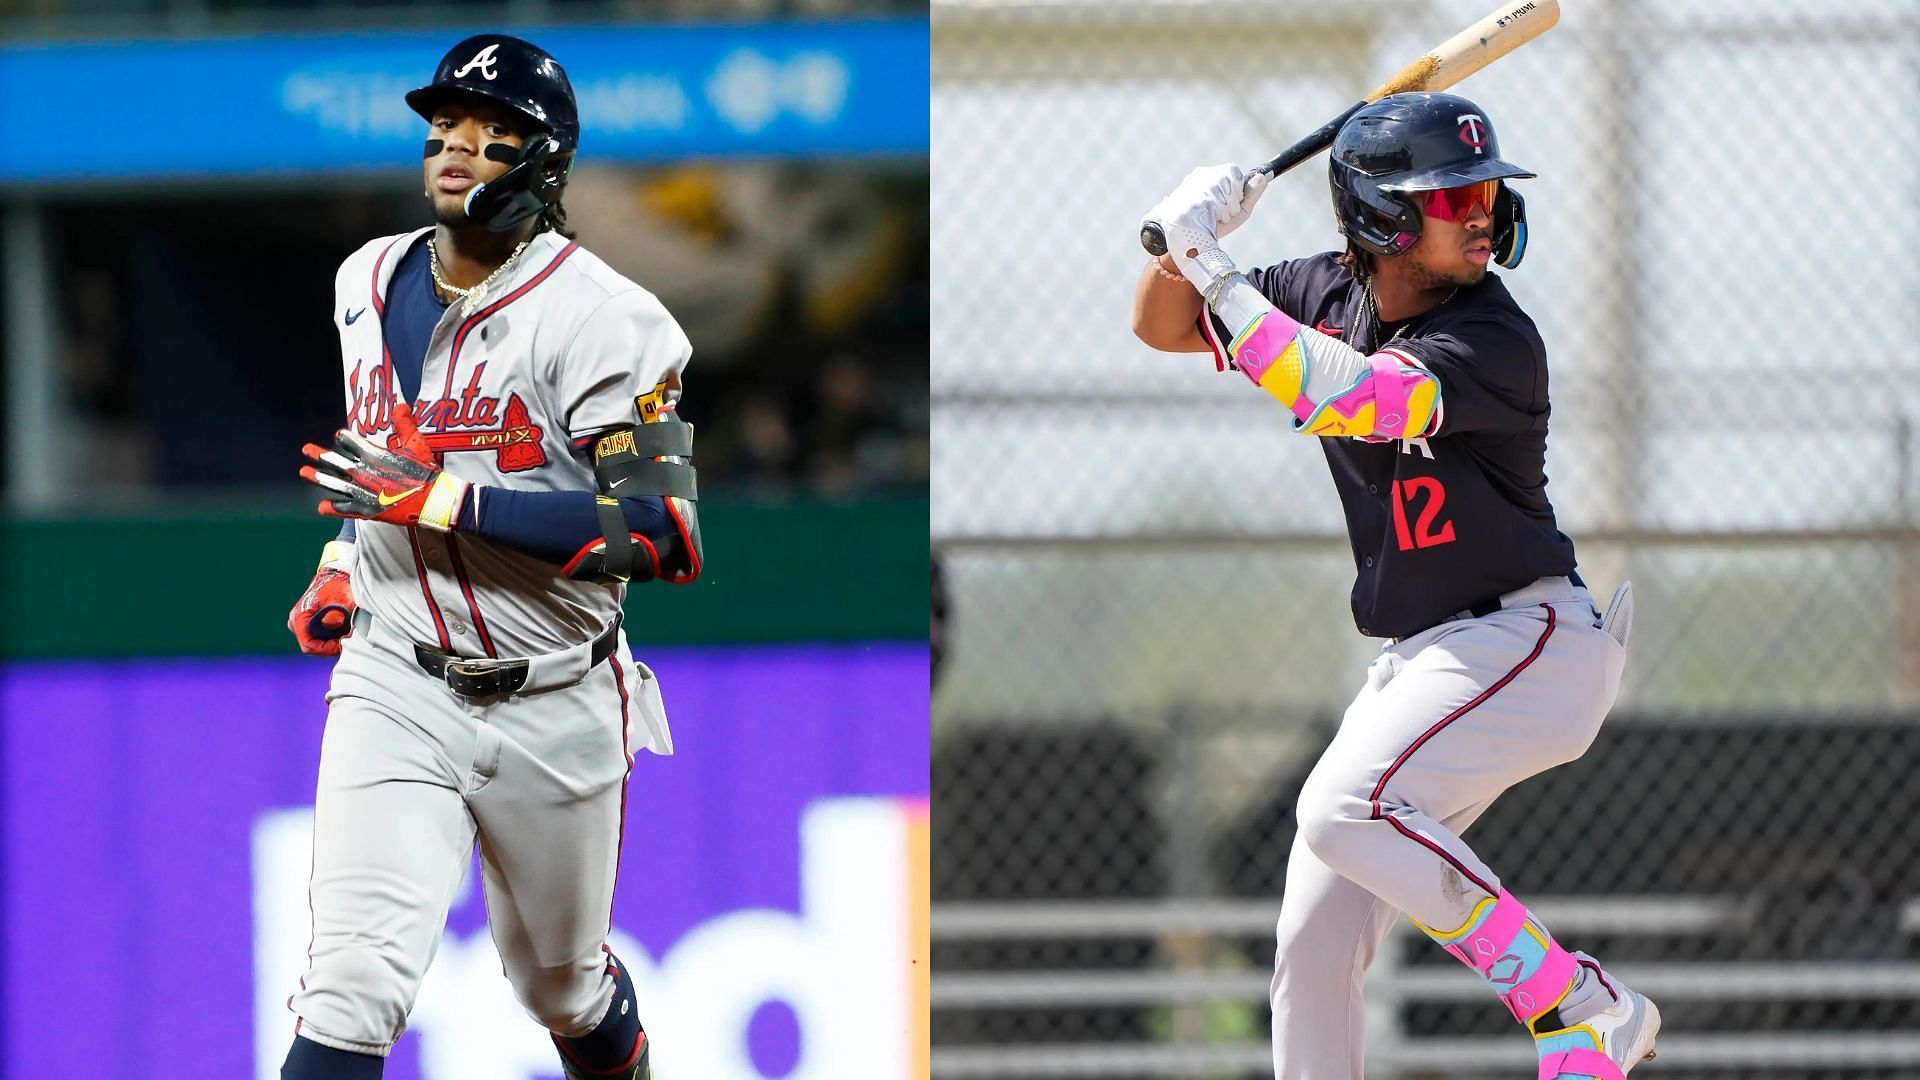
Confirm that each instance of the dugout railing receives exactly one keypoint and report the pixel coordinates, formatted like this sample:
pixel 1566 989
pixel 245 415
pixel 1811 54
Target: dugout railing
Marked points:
pixel 1394 985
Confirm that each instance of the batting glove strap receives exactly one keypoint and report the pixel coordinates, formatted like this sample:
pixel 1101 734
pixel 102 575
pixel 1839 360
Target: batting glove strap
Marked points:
pixel 336 555
pixel 441 508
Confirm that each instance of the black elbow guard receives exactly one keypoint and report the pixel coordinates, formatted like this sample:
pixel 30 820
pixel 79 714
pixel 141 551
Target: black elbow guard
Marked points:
pixel 646 459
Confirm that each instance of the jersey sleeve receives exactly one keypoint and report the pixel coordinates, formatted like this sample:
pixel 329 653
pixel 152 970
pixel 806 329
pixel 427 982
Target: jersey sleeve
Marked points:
pixel 628 348
pixel 1492 374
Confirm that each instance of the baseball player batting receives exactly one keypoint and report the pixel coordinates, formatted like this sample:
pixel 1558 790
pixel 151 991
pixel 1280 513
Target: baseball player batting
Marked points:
pixel 1427 386
pixel 511 459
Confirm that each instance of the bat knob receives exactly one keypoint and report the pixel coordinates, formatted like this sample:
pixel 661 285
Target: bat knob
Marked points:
pixel 1153 239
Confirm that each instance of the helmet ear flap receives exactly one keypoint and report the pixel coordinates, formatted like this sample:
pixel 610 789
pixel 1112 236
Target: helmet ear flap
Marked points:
pixel 523 190
pixel 1509 227
pixel 1380 222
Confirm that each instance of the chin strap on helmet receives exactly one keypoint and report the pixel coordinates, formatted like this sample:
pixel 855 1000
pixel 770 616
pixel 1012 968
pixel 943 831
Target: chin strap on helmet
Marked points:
pixel 524 190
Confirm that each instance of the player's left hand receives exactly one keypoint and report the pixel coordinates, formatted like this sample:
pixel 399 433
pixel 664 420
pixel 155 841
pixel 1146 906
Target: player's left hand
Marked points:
pixel 1210 203
pixel 1213 199
pixel 400 484
pixel 324 613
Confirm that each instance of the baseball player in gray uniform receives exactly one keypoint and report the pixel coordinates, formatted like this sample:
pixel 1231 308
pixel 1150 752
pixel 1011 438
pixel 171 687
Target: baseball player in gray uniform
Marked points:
pixel 511 459
pixel 1427 386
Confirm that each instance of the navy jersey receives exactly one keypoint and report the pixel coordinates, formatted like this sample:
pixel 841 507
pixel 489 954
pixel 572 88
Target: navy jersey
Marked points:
pixel 1441 524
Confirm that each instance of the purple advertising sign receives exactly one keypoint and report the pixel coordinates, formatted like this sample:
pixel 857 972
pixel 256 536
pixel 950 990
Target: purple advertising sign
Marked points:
pixel 155 819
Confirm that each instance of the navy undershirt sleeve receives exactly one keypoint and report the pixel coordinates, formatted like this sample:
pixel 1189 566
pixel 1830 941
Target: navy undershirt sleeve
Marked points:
pixel 555 525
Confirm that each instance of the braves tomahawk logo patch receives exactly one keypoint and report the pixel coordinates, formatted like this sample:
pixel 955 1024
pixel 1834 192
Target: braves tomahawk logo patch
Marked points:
pixel 516 442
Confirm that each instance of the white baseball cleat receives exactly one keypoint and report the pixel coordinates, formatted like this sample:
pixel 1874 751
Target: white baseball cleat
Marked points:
pixel 1604 1046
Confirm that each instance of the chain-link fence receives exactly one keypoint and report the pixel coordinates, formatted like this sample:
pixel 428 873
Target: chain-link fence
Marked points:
pixel 1722 267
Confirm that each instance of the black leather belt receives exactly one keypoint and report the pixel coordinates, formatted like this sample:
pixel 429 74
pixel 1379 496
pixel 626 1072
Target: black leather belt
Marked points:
pixel 1479 610
pixel 483 678
pixel 1483 609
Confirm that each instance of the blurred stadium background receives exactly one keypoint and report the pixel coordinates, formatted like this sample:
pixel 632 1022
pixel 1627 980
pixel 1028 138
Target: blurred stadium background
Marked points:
pixel 180 180
pixel 1147 640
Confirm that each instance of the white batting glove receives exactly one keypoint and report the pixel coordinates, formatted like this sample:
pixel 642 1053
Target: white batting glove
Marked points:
pixel 1214 199
pixel 1210 203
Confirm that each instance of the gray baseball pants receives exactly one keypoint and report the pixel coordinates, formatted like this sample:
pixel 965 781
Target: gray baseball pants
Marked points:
pixel 411 776
pixel 1448 719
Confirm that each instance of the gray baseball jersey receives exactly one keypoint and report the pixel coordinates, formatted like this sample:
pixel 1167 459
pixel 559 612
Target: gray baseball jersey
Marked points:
pixel 560 347
pixel 411 775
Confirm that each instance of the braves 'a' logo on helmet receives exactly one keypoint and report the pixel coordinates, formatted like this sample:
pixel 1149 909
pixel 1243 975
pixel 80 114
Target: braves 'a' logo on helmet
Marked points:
pixel 482 60
pixel 1473 131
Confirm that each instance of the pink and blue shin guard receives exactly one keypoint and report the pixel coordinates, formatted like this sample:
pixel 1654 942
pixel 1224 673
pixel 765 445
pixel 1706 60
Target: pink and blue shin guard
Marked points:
pixel 1532 974
pixel 1521 961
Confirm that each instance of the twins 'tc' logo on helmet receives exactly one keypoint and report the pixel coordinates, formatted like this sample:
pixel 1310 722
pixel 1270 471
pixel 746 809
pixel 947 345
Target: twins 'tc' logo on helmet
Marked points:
pixel 1473 131
pixel 482 60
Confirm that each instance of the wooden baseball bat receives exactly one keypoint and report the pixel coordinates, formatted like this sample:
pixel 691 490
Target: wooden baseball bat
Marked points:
pixel 1510 26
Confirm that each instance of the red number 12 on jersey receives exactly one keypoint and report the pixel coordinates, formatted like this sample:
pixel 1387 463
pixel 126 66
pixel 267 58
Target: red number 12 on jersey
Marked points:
pixel 1415 489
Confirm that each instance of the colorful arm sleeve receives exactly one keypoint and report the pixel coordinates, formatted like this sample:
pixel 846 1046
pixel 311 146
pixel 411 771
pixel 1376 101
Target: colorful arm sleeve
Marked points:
pixel 1331 388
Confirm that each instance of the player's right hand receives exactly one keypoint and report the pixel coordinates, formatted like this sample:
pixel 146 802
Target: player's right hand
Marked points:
pixel 1213 199
pixel 400 483
pixel 324 613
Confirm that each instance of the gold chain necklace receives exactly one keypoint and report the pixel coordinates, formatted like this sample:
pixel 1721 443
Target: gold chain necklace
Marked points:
pixel 469 297
pixel 1370 308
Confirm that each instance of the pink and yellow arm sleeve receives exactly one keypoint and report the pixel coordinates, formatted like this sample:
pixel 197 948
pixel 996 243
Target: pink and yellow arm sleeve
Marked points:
pixel 1331 388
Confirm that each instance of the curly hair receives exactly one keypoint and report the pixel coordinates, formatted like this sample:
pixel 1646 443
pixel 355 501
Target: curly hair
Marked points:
pixel 1356 261
pixel 554 219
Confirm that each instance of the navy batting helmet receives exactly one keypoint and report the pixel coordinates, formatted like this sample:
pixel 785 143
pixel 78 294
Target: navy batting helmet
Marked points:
pixel 522 77
pixel 1406 143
